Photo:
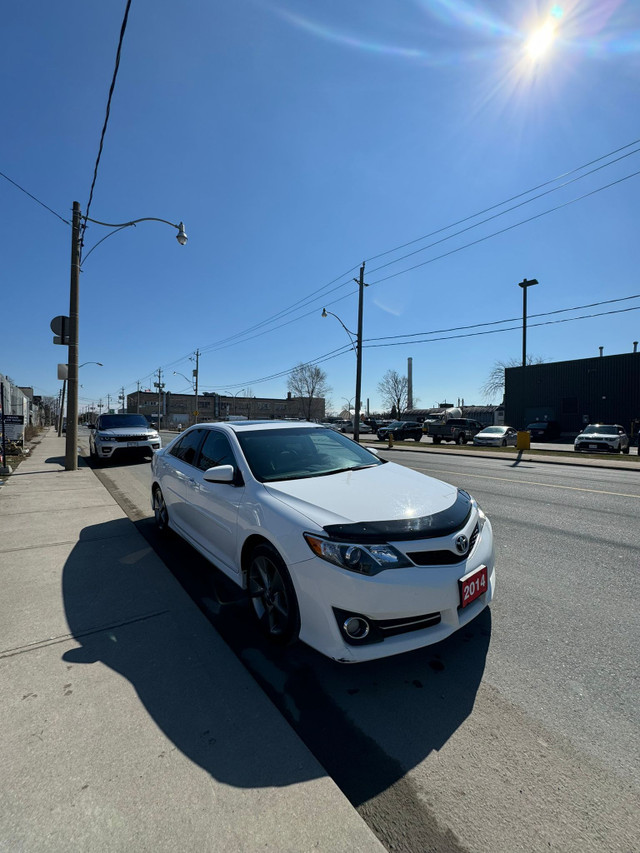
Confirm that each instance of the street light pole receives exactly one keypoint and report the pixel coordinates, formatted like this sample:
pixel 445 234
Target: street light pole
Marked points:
pixel 71 446
pixel 524 284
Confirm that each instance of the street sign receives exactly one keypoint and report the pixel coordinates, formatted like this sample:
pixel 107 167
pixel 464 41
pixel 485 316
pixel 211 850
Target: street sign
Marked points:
pixel 196 414
pixel 63 371
pixel 60 328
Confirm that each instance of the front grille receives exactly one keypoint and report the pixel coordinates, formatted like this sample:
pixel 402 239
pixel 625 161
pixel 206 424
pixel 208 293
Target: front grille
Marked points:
pixel 443 557
pixel 122 438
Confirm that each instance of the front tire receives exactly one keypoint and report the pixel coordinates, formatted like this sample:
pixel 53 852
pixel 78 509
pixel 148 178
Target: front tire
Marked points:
pixel 160 511
pixel 504 442
pixel 273 598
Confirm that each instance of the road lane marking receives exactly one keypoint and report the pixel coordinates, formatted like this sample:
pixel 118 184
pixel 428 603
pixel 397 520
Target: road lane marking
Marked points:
pixel 545 485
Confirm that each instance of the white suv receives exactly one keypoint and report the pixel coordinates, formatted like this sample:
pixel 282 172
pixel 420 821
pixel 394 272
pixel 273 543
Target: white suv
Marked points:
pixel 124 435
pixel 608 437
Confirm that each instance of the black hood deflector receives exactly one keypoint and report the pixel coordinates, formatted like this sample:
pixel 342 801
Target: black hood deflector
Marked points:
pixel 425 527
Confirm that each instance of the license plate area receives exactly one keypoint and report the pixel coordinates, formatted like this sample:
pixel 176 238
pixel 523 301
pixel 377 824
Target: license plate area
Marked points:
pixel 132 444
pixel 473 585
pixel 593 447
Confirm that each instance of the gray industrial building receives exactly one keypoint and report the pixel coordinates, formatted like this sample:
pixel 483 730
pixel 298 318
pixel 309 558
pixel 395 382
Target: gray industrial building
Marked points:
pixel 603 389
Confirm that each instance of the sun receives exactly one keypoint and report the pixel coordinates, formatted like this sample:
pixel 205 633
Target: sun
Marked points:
pixel 539 43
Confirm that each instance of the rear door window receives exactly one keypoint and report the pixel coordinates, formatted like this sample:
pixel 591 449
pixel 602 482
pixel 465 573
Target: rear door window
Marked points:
pixel 187 448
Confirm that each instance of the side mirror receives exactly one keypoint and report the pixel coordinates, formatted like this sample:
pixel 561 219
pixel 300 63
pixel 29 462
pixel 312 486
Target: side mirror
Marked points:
pixel 91 426
pixel 220 474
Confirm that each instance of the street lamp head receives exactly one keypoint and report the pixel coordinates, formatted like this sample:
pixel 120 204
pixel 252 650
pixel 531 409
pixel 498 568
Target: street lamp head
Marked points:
pixel 524 283
pixel 324 313
pixel 181 237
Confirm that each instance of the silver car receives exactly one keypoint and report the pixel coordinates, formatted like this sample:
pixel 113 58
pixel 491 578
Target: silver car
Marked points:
pixel 496 436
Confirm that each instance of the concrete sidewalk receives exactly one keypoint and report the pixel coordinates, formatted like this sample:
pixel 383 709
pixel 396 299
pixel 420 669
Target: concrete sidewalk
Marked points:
pixel 127 723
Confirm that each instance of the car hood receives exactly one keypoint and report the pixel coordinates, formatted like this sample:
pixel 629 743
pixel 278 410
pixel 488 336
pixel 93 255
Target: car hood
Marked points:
pixel 383 493
pixel 132 430
pixel 596 435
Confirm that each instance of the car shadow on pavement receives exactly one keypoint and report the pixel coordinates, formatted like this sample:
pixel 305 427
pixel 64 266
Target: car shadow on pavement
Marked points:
pixel 125 612
pixel 368 724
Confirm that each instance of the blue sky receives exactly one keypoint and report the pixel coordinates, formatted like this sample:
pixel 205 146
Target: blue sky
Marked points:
pixel 296 140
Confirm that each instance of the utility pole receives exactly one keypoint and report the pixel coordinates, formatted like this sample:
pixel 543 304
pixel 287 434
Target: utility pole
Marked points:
pixel 356 417
pixel 122 399
pixel 71 444
pixel 159 385
pixel 108 404
pixel 61 418
pixel 195 379
pixel 138 399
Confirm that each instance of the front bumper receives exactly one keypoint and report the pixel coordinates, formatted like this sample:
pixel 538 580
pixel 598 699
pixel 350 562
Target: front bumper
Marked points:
pixel 596 446
pixel 423 600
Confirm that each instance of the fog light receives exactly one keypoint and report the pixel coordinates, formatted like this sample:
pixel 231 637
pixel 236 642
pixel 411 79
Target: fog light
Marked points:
pixel 356 627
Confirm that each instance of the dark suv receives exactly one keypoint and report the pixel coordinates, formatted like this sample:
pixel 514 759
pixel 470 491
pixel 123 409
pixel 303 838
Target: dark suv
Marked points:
pixel 402 430
pixel 544 430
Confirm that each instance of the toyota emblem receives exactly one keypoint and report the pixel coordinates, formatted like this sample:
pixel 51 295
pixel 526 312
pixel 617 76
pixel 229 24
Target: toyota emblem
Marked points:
pixel 462 544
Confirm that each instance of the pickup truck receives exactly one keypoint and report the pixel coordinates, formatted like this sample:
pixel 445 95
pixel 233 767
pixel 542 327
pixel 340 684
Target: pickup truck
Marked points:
pixel 458 430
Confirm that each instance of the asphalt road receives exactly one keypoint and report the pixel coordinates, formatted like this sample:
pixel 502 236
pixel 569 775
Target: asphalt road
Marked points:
pixel 518 734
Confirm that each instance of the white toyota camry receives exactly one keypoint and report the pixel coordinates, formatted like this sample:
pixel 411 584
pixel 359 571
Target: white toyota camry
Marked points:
pixel 357 557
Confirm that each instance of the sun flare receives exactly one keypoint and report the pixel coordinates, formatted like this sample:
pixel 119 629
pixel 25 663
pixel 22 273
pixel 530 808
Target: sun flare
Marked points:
pixel 540 42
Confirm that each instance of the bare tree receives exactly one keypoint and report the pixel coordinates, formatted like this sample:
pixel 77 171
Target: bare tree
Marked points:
pixel 393 390
pixel 306 382
pixel 493 388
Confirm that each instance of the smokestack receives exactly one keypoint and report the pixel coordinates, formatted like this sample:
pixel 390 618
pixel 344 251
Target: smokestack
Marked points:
pixel 410 383
pixel 635 346
pixel 600 348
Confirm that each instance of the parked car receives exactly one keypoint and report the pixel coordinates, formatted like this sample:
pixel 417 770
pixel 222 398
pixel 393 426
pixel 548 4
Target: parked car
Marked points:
pixel 610 438
pixel 544 430
pixel 496 436
pixel 122 435
pixel 402 430
pixel 348 427
pixel 311 525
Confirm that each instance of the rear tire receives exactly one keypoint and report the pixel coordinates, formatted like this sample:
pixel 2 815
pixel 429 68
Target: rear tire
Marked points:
pixel 626 450
pixel 437 439
pixel 273 598
pixel 461 439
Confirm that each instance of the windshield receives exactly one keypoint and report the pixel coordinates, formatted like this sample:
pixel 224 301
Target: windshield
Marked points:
pixel 293 454
pixel 602 429
pixel 538 426
pixel 116 421
pixel 495 429
pixel 396 424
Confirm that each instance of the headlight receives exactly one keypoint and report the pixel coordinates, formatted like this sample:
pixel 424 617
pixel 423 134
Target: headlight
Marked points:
pixel 364 559
pixel 106 437
pixel 152 435
pixel 481 516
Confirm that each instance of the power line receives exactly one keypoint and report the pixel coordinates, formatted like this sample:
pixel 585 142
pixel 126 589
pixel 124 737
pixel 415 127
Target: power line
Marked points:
pixel 507 228
pixel 506 201
pixel 508 329
pixel 241 337
pixel 503 212
pixel 22 189
pixel 106 118
pixel 507 320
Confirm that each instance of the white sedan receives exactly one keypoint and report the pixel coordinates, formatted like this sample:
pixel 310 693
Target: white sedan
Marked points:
pixel 358 557
pixel 496 436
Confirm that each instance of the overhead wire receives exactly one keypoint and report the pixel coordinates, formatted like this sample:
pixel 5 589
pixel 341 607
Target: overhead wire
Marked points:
pixel 26 192
pixel 106 118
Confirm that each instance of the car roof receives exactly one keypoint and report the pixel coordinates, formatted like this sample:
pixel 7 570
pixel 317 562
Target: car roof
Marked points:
pixel 251 426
